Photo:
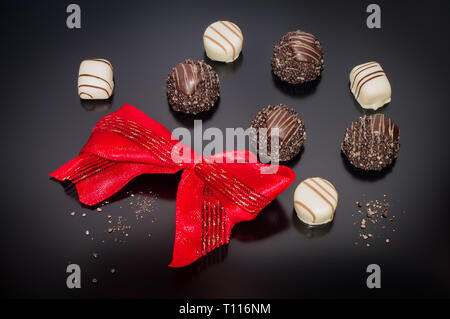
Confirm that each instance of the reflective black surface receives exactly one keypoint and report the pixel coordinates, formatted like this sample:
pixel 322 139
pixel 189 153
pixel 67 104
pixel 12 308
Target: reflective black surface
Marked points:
pixel 44 124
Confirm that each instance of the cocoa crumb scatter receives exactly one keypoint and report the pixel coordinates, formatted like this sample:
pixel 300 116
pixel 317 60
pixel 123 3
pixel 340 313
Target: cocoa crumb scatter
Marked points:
pixel 376 212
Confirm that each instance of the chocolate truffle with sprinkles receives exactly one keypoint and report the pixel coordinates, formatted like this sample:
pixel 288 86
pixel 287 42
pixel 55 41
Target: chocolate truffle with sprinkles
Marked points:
pixel 291 132
pixel 192 87
pixel 372 142
pixel 297 57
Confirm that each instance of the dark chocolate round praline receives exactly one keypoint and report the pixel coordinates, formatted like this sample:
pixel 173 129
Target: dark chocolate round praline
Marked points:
pixel 199 97
pixel 290 65
pixel 372 142
pixel 291 128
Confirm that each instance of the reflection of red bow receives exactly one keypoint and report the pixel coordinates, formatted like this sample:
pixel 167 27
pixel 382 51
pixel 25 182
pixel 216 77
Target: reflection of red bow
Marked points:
pixel 213 194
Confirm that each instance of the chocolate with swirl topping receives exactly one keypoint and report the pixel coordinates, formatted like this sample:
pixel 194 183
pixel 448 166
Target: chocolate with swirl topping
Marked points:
pixel 290 127
pixel 372 142
pixel 297 57
pixel 192 87
pixel 187 77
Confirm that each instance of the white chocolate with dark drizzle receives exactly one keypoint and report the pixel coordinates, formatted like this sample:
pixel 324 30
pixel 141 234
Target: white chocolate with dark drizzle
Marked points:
pixel 315 201
pixel 370 86
pixel 95 79
pixel 223 41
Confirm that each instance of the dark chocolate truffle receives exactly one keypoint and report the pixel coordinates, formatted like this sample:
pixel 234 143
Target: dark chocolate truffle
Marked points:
pixel 192 87
pixel 291 131
pixel 372 142
pixel 297 57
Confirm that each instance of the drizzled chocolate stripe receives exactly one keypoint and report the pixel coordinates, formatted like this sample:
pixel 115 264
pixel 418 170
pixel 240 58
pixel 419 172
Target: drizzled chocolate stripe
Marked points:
pixel 81 93
pixel 97 77
pixel 362 70
pixel 95 87
pixel 307 209
pixel 233 29
pixel 319 194
pixel 284 121
pixel 216 42
pixel 225 38
pixel 187 77
pixel 324 189
pixel 380 124
pixel 362 66
pixel 380 74
pixel 304 47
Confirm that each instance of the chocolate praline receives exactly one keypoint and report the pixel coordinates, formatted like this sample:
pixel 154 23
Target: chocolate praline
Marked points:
pixel 291 131
pixel 192 87
pixel 297 57
pixel 372 142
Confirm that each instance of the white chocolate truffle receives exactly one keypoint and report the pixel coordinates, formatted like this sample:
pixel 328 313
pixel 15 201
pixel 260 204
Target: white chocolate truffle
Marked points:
pixel 370 86
pixel 315 200
pixel 223 41
pixel 95 79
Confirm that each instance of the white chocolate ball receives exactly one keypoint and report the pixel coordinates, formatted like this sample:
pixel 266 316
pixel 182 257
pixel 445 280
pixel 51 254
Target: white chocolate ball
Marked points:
pixel 370 85
pixel 223 41
pixel 95 79
pixel 315 200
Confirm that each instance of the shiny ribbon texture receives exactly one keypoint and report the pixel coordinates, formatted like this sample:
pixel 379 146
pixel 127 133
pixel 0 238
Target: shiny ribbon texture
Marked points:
pixel 213 195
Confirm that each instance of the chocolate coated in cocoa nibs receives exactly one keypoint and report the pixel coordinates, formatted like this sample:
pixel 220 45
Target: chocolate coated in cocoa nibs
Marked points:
pixel 291 131
pixel 192 87
pixel 372 142
pixel 297 58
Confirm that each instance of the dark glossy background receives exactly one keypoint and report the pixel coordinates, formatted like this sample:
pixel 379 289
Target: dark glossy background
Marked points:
pixel 44 124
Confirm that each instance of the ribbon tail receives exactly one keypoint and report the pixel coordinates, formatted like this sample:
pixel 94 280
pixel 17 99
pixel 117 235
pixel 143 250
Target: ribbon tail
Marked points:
pixel 97 179
pixel 202 224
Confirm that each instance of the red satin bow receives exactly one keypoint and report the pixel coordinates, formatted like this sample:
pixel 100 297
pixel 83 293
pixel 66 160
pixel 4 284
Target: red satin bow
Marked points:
pixel 213 194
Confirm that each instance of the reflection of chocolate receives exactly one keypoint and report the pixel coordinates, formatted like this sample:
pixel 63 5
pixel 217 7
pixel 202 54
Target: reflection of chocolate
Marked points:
pixel 187 76
pixel 308 230
pixel 372 142
pixel 291 131
pixel 270 221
